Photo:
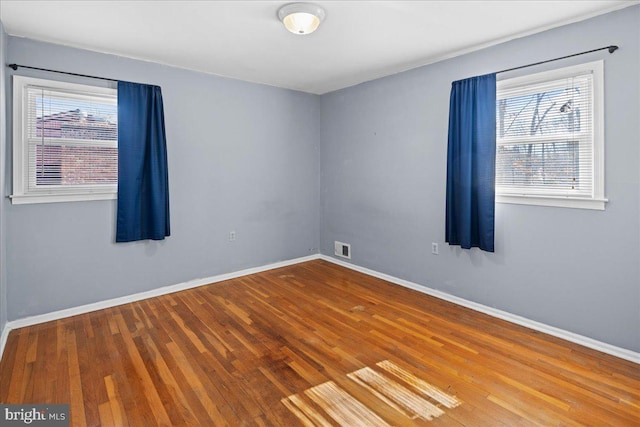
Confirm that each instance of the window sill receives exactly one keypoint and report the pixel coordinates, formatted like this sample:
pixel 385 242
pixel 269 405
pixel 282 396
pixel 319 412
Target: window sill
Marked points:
pixel 23 199
pixel 562 202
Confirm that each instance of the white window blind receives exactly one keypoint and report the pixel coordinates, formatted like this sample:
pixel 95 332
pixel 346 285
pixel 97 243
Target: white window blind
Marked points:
pixel 547 141
pixel 69 138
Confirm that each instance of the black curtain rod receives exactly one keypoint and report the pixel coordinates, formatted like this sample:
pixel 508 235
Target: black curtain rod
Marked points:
pixel 611 49
pixel 16 66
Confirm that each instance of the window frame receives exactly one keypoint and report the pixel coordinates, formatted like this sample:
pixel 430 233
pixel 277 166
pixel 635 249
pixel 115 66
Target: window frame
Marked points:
pixel 21 192
pixel 597 200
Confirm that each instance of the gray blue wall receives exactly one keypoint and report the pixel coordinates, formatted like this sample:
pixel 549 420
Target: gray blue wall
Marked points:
pixel 3 159
pixel 383 166
pixel 242 157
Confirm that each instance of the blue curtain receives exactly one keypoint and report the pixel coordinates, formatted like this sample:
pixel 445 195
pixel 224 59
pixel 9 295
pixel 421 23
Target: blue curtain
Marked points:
pixel 143 179
pixel 471 163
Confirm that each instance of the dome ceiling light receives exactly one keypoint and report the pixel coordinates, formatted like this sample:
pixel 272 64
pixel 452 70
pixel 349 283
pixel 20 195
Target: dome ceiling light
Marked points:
pixel 301 18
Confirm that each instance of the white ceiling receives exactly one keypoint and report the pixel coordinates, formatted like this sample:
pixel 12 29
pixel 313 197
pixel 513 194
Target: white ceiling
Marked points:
pixel 357 42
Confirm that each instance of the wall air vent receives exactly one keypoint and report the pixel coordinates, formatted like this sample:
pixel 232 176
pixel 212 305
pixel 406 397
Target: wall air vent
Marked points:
pixel 343 250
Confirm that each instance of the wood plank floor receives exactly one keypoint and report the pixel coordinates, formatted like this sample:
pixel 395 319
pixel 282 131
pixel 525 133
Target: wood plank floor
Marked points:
pixel 312 344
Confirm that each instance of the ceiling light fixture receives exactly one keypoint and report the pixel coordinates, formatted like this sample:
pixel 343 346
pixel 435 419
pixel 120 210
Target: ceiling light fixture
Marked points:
pixel 301 18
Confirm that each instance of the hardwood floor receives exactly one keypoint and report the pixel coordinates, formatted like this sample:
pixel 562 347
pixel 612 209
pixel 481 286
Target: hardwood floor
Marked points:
pixel 312 344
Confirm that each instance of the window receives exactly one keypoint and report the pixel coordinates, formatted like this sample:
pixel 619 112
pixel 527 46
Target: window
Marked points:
pixel 65 142
pixel 550 138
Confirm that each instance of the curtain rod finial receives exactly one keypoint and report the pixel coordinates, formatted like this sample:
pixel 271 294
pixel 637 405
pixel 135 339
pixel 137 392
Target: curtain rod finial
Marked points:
pixel 613 49
pixel 13 66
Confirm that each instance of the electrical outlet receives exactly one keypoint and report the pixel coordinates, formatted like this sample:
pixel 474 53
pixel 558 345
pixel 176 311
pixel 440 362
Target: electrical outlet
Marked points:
pixel 434 248
pixel 232 236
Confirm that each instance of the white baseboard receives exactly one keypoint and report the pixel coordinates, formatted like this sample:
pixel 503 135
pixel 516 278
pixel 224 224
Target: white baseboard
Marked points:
pixel 74 311
pixel 513 318
pixel 551 330
pixel 3 339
